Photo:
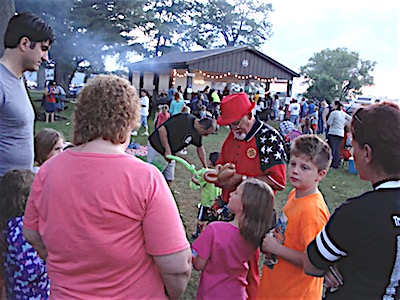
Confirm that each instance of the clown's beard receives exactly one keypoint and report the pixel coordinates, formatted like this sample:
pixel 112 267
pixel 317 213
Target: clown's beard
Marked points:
pixel 239 136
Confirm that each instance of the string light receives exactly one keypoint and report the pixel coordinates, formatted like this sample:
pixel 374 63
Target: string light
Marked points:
pixel 176 74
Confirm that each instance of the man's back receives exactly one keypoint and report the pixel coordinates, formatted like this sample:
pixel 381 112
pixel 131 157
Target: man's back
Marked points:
pixel 16 124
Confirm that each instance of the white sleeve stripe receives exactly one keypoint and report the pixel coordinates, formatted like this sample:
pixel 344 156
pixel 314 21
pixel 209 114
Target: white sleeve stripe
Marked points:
pixel 274 181
pixel 331 245
pixel 326 254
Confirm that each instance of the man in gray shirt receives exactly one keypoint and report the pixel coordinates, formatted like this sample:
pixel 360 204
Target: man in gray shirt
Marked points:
pixel 27 42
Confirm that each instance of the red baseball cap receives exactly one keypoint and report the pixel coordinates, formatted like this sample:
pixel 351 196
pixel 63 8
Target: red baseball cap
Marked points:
pixel 234 107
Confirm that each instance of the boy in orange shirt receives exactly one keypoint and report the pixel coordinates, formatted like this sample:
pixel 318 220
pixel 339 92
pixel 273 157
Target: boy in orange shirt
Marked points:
pixel 303 216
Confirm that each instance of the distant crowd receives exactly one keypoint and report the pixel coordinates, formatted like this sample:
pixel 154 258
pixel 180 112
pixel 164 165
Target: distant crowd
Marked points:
pixel 93 222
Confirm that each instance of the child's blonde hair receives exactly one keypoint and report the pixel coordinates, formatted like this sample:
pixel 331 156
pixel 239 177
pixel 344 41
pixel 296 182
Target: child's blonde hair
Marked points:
pixel 317 151
pixel 185 109
pixel 258 207
pixel 45 140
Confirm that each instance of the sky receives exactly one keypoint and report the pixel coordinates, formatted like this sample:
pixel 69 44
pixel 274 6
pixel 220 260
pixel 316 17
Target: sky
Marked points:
pixel 371 28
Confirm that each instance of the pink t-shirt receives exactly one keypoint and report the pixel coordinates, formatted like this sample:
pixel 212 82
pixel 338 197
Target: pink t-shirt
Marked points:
pixel 227 254
pixel 161 118
pixel 102 217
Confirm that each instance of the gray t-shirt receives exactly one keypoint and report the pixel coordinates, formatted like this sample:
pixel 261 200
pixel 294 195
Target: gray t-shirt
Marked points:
pixel 16 124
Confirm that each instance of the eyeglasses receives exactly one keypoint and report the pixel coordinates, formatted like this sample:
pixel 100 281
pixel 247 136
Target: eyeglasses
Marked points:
pixel 236 125
pixel 356 117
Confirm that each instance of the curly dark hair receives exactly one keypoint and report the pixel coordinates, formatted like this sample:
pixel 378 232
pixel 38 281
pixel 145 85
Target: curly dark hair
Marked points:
pixel 108 107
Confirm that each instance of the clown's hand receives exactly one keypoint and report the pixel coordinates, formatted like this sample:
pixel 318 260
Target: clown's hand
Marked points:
pixel 227 176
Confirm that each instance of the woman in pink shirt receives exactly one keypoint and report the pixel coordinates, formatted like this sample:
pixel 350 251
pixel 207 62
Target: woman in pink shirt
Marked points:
pixel 106 222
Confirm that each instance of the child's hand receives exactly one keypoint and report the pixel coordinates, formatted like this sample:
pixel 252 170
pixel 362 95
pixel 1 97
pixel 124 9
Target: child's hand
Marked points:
pixel 270 244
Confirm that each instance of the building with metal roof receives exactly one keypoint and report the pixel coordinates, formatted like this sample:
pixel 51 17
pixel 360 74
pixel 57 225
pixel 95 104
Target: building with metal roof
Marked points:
pixel 196 69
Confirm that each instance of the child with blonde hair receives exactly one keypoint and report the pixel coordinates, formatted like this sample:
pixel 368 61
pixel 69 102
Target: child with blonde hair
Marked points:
pixel 48 143
pixel 162 116
pixel 209 192
pixel 223 249
pixel 303 216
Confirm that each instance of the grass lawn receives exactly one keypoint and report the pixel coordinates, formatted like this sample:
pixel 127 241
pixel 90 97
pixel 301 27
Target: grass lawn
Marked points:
pixel 337 186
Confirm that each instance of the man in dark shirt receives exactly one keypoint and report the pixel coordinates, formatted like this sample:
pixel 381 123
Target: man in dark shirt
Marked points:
pixel 175 134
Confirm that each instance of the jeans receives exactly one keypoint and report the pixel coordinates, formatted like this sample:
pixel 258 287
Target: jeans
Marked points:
pixel 335 141
pixel 294 119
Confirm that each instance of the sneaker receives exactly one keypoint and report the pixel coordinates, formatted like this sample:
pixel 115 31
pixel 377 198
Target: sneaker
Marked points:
pixel 183 152
pixel 134 133
pixel 145 133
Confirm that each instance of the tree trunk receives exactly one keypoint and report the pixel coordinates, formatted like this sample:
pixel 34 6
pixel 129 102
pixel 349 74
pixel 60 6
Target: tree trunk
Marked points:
pixel 63 75
pixel 41 77
pixel 7 10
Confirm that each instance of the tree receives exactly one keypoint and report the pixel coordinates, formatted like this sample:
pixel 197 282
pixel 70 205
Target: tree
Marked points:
pixel 230 23
pixel 7 10
pixel 336 73
pixel 166 21
pixel 86 31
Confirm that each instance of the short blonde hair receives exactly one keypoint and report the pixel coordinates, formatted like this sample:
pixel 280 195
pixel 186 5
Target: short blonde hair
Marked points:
pixel 108 107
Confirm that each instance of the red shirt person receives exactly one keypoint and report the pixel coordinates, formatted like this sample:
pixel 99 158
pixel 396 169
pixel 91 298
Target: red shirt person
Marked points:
pixel 256 149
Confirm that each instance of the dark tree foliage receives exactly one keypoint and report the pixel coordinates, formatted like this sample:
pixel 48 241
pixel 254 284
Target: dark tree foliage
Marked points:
pixel 336 73
pixel 219 23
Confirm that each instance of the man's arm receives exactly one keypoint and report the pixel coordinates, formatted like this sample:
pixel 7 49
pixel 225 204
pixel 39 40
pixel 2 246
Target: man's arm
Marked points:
pixel 175 270
pixel 324 115
pixel 272 183
pixel 163 133
pixel 201 153
pixel 34 238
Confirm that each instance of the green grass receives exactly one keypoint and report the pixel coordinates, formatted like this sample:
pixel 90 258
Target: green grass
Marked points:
pixel 337 186
pixel 64 126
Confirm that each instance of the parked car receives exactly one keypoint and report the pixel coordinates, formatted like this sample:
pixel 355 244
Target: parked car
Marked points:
pixel 365 100
pixel 31 84
pixel 350 107
pixel 74 89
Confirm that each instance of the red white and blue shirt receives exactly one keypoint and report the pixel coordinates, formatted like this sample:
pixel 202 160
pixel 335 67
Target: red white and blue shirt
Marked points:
pixel 261 153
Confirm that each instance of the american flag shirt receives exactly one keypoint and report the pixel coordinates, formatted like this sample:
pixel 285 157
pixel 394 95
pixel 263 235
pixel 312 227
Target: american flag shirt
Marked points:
pixel 261 153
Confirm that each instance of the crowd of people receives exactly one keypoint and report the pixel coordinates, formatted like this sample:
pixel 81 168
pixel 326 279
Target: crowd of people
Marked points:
pixel 93 222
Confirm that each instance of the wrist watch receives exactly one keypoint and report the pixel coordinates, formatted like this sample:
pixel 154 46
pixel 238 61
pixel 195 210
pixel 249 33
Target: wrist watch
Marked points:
pixel 244 177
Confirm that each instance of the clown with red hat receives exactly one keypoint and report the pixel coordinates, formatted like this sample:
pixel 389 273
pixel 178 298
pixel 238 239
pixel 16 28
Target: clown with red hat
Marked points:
pixel 252 149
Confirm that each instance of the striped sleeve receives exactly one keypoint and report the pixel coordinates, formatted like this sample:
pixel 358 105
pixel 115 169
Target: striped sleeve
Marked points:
pixel 328 246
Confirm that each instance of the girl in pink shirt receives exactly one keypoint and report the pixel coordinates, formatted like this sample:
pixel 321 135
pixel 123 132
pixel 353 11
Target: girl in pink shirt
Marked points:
pixel 223 249
pixel 162 116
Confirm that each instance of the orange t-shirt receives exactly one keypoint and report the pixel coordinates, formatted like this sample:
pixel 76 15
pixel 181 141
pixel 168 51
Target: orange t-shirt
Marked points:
pixel 299 223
